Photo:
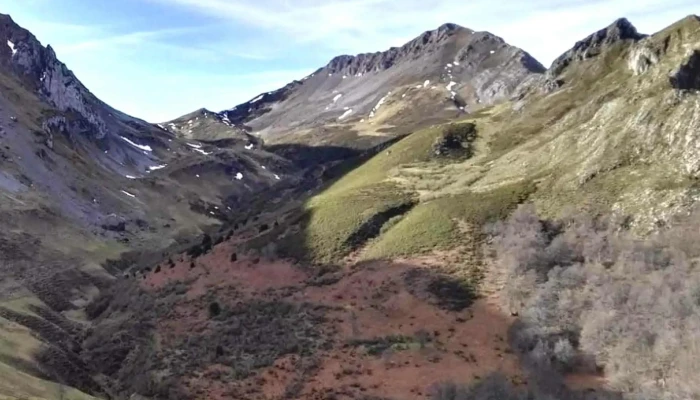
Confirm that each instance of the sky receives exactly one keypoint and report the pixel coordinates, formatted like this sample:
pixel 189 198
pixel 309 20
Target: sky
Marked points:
pixel 159 59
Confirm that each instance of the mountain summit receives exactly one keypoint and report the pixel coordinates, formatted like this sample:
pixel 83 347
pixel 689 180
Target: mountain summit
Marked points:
pixel 437 75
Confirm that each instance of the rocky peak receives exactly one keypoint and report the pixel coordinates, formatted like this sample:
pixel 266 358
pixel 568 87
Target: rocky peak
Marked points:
pixel 427 42
pixel 39 69
pixel 591 46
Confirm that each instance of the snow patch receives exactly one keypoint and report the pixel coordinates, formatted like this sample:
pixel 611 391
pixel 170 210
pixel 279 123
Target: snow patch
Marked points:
pixel 264 167
pixel 157 167
pixel 202 151
pixel 403 95
pixel 127 193
pixel 345 114
pixel 239 176
pixel 379 104
pixel 142 147
pixel 257 99
pixel 161 126
pixel 362 120
pixel 344 76
pixel 249 146
pixel 456 63
pixel 419 86
pixel 194 146
pixel 130 177
pixel 448 65
pixel 492 51
pixel 277 177
pixel 12 47
pixel 426 83
pixel 449 85
pixel 337 96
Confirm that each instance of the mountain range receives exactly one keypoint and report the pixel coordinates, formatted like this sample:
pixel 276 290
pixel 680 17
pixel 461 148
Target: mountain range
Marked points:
pixel 257 252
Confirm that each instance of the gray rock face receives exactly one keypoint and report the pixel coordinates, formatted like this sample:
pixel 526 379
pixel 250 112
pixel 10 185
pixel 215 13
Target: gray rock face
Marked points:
pixel 687 75
pixel 641 59
pixel 592 45
pixel 425 44
pixel 39 68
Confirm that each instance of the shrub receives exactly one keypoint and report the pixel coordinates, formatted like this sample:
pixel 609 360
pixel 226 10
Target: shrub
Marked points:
pixel 214 309
pixel 587 290
pixel 455 140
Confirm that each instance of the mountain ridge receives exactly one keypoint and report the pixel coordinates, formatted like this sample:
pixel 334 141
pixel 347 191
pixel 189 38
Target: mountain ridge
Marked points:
pixel 441 55
pixel 222 221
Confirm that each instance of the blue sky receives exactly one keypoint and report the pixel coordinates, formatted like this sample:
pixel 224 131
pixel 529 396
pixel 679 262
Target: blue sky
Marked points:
pixel 159 59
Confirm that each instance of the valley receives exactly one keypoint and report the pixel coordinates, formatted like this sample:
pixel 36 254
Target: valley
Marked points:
pixel 448 219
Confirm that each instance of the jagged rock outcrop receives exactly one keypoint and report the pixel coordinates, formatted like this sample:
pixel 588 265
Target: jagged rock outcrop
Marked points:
pixel 591 46
pixel 642 58
pixel 39 68
pixel 424 44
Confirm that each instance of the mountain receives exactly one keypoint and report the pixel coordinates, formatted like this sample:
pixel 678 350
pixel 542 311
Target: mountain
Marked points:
pixel 432 78
pixel 277 250
pixel 82 183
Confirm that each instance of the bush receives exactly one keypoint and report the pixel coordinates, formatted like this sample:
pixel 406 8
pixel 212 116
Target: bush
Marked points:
pixel 214 310
pixel 587 290
pixel 455 140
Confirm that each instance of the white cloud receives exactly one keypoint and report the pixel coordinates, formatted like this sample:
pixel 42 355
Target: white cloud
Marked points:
pixel 545 28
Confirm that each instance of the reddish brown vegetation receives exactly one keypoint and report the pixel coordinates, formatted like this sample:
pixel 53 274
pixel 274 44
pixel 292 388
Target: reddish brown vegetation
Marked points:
pixel 363 304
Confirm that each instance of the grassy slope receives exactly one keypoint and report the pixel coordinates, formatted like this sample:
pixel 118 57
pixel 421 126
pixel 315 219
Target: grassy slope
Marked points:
pixel 338 212
pixel 604 141
pixel 18 344
pixel 16 341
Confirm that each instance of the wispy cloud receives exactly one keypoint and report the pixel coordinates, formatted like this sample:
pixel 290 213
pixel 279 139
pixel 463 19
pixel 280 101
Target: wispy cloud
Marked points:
pixel 139 38
pixel 158 59
pixel 543 27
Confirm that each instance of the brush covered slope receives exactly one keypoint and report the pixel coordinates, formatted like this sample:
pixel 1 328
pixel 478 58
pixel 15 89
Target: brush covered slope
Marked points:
pixel 81 183
pixel 361 100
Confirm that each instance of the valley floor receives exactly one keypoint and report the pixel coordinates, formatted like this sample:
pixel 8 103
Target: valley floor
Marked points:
pixel 376 329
